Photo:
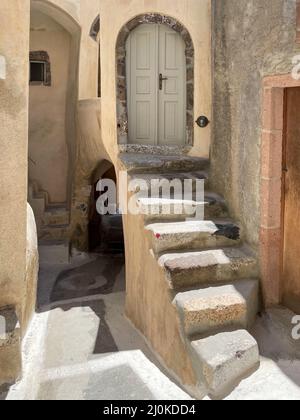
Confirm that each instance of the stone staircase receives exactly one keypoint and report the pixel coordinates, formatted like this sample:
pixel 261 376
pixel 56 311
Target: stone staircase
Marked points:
pixel 53 223
pixel 211 274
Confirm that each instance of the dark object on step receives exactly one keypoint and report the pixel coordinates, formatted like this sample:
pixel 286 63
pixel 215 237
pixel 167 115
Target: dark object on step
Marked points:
pixel 228 231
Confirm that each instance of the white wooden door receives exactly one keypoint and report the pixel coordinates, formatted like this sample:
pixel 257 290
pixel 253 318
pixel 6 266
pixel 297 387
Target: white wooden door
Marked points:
pixel 156 86
pixel 172 93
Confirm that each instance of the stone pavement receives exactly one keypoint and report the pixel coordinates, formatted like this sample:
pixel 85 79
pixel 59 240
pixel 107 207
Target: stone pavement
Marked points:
pixel 89 349
pixel 82 347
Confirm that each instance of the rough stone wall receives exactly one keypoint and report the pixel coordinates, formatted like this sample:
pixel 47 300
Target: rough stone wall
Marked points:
pixel 252 39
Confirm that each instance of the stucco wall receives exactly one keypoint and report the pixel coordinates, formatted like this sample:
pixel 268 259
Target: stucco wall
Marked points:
pixel 13 159
pixel 47 110
pixel 195 16
pixel 89 51
pixel 13 148
pixel 76 17
pixel 32 269
pixel 252 39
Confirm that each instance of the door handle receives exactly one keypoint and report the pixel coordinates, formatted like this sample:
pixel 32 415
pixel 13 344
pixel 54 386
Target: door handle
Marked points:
pixel 161 79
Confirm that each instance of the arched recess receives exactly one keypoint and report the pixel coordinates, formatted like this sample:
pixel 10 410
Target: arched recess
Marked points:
pixel 95 28
pixel 105 231
pixel 122 113
pixel 72 27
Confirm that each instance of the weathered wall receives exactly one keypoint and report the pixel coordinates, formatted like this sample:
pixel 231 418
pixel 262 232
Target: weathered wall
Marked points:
pixel 32 269
pixel 195 15
pixel 149 304
pixel 252 39
pixel 89 51
pixel 90 152
pixel 13 161
pixel 83 129
pixel 48 108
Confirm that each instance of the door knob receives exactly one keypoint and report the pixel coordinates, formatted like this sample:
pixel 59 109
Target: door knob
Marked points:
pixel 161 79
pixel 203 121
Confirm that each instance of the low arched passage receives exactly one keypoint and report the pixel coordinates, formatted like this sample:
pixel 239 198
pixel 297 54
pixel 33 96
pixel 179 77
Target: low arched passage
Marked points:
pixel 105 231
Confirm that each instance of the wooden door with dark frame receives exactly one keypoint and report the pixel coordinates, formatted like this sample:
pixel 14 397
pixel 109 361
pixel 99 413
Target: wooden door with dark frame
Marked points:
pixel 291 201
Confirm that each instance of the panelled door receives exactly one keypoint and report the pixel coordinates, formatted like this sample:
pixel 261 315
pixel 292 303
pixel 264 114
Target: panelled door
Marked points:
pixel 156 86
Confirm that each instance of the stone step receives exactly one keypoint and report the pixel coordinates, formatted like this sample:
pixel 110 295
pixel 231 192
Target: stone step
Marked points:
pixel 166 237
pixel 56 215
pixel 176 209
pixel 35 193
pixel 54 252
pixel 149 163
pixel 223 360
pixel 154 150
pixel 149 182
pixel 55 232
pixel 205 311
pixel 195 268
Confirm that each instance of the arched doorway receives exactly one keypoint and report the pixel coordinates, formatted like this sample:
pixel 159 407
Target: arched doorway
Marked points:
pixel 53 94
pixel 155 82
pixel 105 231
pixel 156 86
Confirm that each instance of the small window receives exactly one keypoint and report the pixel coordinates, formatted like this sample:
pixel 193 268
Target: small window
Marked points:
pixel 40 68
pixel 37 72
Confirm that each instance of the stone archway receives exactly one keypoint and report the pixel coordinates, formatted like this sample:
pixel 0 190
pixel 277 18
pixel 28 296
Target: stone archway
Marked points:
pixel 122 114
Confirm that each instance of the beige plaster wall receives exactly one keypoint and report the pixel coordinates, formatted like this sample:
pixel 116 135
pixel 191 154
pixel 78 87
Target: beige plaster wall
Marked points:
pixel 89 51
pixel 13 148
pixel 90 152
pixel 149 304
pixel 76 17
pixel 195 15
pixel 14 46
pixel 32 269
pixel 47 110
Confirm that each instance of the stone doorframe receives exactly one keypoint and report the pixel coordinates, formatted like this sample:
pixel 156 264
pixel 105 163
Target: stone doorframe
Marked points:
pixel 271 194
pixel 122 116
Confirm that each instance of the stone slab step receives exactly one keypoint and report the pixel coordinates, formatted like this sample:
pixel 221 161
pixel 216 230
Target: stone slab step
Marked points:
pixel 176 209
pixel 54 232
pixel 212 309
pixel 56 216
pixel 191 269
pixel 147 182
pixel 193 235
pixel 148 163
pixel 154 150
pixel 54 252
pixel 225 359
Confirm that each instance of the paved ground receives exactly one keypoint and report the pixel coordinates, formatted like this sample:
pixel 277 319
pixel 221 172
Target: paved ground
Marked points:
pixel 81 346
pixel 90 350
